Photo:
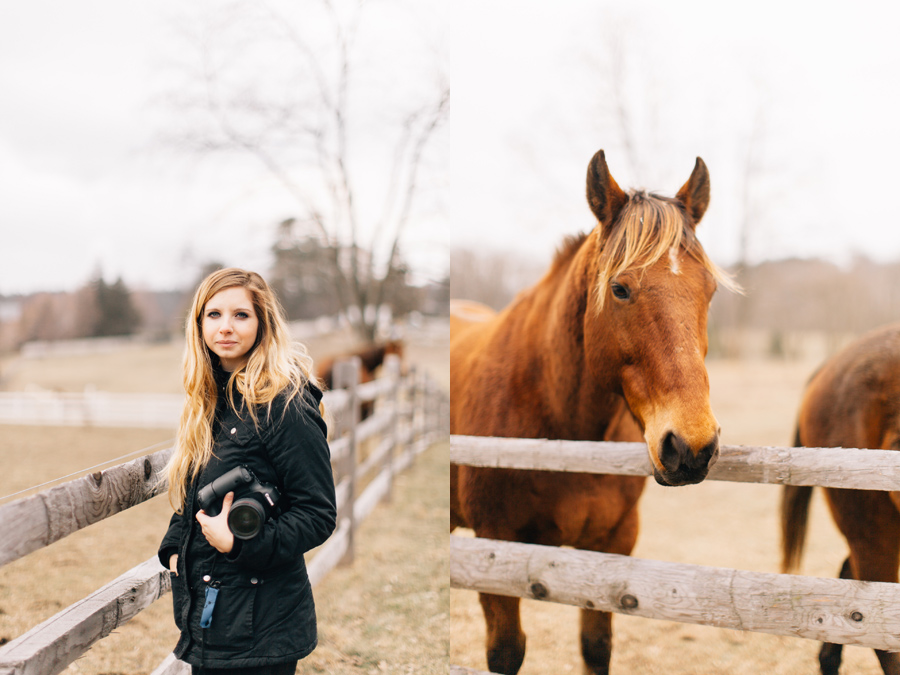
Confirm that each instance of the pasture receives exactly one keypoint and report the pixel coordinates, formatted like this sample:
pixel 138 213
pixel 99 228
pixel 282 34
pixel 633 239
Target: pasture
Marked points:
pixel 713 523
pixel 411 529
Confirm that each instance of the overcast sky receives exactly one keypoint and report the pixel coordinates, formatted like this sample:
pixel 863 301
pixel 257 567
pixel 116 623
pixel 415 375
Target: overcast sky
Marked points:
pixel 86 182
pixel 809 93
pixel 810 97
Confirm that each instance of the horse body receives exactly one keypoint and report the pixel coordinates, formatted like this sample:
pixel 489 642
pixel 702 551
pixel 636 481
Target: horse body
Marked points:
pixel 609 345
pixel 370 358
pixel 853 401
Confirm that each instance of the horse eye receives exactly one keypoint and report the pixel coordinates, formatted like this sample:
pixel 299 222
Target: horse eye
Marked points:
pixel 620 291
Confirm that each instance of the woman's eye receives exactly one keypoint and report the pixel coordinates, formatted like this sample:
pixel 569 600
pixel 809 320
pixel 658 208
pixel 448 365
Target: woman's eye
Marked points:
pixel 242 315
pixel 212 315
pixel 620 291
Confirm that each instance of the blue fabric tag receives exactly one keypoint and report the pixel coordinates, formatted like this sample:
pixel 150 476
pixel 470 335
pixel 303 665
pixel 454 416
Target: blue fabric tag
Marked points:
pixel 206 617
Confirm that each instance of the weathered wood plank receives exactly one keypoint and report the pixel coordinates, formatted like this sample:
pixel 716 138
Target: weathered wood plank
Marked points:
pixel 828 467
pixel 29 524
pixel 372 389
pixel 336 401
pixel 377 458
pixel 339 449
pixel 830 610
pixel 342 493
pixel 374 425
pixel 459 670
pixel 627 459
pixel 346 376
pixel 375 491
pixel 51 646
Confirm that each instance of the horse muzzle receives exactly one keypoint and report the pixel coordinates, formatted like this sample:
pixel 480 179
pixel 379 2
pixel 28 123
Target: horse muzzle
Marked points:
pixel 681 465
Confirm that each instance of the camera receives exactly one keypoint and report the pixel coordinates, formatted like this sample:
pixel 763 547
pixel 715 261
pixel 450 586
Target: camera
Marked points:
pixel 254 502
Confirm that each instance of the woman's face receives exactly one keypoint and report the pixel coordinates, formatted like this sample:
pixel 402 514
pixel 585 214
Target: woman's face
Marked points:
pixel 230 325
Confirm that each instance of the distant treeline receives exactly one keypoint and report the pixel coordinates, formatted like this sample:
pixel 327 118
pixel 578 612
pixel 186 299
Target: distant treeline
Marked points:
pixel 101 309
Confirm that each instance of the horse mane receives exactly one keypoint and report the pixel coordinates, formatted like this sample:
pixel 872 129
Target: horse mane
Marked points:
pixel 567 251
pixel 646 229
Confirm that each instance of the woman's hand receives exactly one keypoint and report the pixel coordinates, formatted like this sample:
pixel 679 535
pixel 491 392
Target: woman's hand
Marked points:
pixel 173 563
pixel 216 529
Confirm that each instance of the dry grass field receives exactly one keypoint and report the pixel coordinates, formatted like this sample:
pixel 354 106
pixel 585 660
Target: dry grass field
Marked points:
pixel 714 523
pixel 383 612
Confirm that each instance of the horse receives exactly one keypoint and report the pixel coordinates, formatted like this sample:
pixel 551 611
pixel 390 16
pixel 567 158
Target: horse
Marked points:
pixel 852 401
pixel 608 345
pixel 370 359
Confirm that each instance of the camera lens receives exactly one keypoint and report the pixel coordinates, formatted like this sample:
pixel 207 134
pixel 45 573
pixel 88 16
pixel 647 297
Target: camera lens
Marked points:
pixel 246 518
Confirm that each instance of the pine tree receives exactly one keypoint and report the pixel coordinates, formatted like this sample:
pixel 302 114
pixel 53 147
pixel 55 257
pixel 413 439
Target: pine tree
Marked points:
pixel 116 313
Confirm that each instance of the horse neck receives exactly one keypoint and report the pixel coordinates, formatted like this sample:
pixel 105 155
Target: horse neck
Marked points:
pixel 579 404
pixel 372 358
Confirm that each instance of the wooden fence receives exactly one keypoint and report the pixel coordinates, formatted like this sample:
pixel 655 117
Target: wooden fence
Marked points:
pixel 411 412
pixel 830 610
pixel 90 408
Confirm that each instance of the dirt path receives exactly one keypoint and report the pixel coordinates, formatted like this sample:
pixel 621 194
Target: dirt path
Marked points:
pixel 714 523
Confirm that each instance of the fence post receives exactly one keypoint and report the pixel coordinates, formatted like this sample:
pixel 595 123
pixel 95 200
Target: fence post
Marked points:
pixel 346 376
pixel 392 368
pixel 415 402
pixel 430 408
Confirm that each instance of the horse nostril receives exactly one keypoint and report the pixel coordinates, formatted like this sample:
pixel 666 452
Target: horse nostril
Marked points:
pixel 706 457
pixel 672 452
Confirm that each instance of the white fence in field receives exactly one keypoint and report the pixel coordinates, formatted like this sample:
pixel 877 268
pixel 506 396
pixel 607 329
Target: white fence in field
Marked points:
pixel 830 610
pixel 91 408
pixel 411 412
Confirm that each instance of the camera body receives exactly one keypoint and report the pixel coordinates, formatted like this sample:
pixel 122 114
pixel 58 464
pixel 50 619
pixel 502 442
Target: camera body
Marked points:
pixel 254 502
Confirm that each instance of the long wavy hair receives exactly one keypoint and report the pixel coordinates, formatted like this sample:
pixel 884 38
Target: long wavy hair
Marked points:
pixel 275 363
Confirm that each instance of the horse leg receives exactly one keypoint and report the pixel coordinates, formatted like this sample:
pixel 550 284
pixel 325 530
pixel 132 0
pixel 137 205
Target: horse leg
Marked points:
pixel 879 564
pixel 505 639
pixel 871 524
pixel 596 627
pixel 596 641
pixel 830 653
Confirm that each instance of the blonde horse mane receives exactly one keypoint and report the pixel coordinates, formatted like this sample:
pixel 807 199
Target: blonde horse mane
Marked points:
pixel 647 228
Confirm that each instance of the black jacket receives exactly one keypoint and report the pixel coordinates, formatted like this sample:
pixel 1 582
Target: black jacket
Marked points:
pixel 264 612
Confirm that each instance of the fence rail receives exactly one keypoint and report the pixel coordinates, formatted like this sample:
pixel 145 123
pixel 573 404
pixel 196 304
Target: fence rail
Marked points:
pixel 91 408
pixel 826 467
pixel 411 413
pixel 830 610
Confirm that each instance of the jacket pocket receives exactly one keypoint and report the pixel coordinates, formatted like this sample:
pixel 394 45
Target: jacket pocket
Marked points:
pixel 289 611
pixel 231 626
pixel 178 599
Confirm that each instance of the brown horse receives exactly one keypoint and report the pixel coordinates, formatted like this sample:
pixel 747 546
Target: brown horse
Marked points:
pixel 853 401
pixel 370 356
pixel 370 359
pixel 609 345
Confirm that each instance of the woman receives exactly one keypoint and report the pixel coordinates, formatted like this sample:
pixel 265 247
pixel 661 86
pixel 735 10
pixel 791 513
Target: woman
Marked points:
pixel 245 605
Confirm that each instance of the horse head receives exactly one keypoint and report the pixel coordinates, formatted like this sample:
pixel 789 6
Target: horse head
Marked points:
pixel 645 324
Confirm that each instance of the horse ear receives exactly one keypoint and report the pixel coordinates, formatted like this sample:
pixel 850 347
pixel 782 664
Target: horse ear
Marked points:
pixel 604 195
pixel 695 193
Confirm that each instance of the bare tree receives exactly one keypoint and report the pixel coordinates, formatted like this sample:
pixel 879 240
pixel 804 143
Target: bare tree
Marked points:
pixel 294 87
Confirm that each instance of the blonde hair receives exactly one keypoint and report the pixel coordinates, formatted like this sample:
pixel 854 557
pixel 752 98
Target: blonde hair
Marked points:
pixel 274 364
pixel 647 229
